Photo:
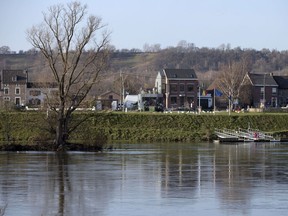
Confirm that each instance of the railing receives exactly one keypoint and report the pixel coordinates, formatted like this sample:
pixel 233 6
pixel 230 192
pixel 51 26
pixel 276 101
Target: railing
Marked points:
pixel 226 133
pixel 244 134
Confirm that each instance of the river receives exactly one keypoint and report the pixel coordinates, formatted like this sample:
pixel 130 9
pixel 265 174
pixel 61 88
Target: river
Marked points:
pixel 148 179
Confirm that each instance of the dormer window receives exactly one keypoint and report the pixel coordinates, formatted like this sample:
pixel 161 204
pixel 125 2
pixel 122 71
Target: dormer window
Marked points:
pixel 14 78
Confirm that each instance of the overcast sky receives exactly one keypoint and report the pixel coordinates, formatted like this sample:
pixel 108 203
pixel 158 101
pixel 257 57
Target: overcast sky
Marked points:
pixel 253 24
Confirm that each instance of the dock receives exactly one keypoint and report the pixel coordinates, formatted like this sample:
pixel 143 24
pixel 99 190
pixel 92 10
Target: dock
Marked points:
pixel 244 135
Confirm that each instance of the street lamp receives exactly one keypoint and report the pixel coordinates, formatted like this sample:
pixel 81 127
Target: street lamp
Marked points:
pixel 199 106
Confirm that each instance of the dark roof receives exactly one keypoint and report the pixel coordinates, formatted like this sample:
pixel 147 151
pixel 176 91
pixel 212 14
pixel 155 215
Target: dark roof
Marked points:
pixel 282 81
pixel 108 92
pixel 180 73
pixel 14 76
pixel 262 79
pixel 42 85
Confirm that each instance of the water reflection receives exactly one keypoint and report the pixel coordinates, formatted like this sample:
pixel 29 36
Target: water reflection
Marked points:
pixel 154 179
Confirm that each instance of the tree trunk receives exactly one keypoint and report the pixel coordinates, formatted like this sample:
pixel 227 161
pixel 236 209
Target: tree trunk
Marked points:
pixel 59 135
pixel 61 130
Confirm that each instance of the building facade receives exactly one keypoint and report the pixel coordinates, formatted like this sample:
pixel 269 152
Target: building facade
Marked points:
pixel 15 89
pixel 282 82
pixel 39 93
pixel 108 100
pixel 14 86
pixel 179 88
pixel 263 88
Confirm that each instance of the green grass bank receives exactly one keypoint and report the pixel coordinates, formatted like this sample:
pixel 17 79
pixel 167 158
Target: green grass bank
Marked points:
pixel 31 127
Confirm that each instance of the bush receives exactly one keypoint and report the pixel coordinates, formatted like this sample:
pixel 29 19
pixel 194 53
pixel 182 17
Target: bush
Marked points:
pixel 100 128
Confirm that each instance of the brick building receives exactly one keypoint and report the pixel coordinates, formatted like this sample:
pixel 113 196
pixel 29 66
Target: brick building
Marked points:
pixel 178 86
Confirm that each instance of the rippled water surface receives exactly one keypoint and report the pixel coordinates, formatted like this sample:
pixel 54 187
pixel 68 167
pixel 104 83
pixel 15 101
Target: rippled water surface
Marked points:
pixel 148 179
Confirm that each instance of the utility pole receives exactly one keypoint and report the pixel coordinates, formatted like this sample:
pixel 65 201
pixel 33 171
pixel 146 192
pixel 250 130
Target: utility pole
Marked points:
pixel 214 101
pixel 120 99
pixel 123 97
pixel 199 106
pixel 123 91
pixel 264 90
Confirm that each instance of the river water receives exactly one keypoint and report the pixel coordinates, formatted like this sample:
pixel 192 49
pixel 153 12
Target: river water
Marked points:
pixel 148 179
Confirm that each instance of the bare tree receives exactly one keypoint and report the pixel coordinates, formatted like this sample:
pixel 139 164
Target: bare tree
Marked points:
pixel 5 50
pixel 230 79
pixel 75 48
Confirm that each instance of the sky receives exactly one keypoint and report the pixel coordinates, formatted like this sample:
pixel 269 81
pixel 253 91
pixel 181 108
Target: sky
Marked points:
pixel 248 24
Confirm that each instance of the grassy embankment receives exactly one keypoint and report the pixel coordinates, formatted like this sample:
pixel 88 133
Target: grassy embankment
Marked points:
pixel 30 127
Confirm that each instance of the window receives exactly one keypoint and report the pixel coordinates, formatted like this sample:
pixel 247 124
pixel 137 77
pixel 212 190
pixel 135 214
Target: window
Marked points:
pixel 14 78
pixel 110 97
pixel 35 101
pixel 35 92
pixel 262 89
pixel 6 98
pixel 17 91
pixel 190 87
pixel 173 100
pixel 182 87
pixel 173 88
pixel 274 90
pixel 6 91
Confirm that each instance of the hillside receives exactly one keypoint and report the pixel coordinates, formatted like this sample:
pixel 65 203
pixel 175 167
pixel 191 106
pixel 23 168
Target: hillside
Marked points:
pixel 139 69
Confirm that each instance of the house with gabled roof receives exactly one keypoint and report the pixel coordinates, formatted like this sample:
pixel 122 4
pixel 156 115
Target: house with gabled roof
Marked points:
pixel 108 100
pixel 179 87
pixel 39 92
pixel 263 89
pixel 13 86
pixel 15 89
pixel 282 82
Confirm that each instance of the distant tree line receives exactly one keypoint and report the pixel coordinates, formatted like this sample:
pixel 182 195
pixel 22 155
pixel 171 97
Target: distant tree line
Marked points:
pixel 206 59
pixel 139 68
pixel 187 55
